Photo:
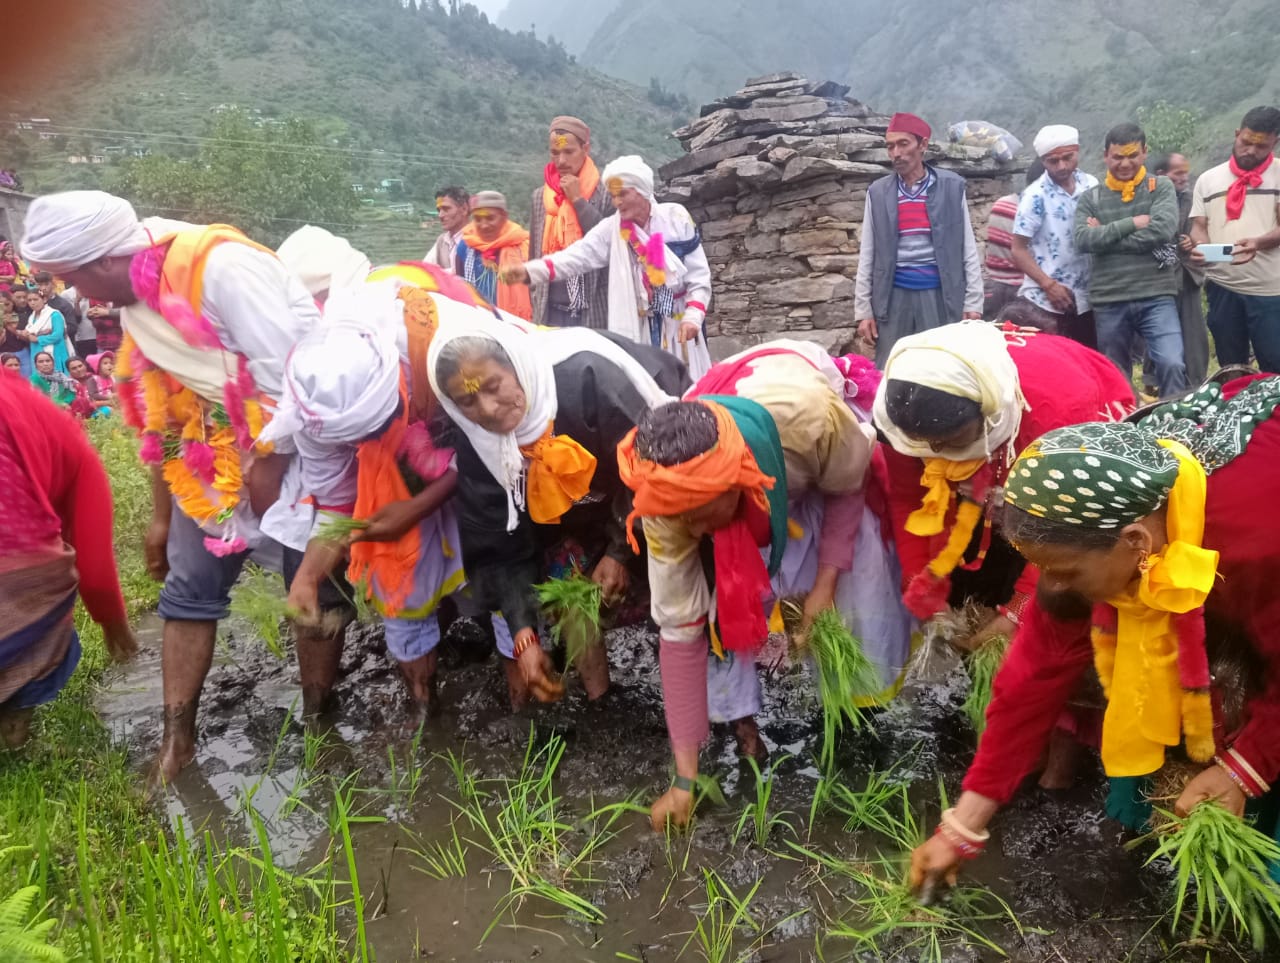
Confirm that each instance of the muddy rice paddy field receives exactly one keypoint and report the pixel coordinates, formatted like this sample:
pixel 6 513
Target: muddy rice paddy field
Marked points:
pixel 483 835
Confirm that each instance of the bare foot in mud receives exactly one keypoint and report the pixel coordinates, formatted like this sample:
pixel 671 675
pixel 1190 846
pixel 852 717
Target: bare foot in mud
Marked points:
pixel 750 743
pixel 15 727
pixel 170 761
pixel 517 688
pixel 593 669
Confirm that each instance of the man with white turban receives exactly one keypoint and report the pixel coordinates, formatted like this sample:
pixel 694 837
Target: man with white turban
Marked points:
pixel 1056 275
pixel 350 408
pixel 209 318
pixel 321 260
pixel 659 278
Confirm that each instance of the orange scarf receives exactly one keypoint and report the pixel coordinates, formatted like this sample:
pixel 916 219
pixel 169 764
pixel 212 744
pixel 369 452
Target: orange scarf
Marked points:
pixel 560 473
pixel 420 321
pixel 509 249
pixel 388 565
pixel 560 226
pixel 672 489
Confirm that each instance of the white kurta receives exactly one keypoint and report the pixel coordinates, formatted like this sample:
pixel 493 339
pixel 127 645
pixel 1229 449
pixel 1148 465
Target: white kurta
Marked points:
pixel 689 279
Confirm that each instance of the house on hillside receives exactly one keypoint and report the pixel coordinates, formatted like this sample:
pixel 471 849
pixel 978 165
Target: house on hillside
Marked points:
pixel 405 208
pixel 393 183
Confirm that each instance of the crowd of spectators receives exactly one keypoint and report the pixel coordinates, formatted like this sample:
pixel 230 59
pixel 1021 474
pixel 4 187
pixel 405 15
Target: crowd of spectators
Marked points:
pixel 63 344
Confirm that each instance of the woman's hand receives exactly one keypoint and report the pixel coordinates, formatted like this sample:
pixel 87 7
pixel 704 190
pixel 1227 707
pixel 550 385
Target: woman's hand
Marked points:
pixel 613 578
pixel 673 808
pixel 997 626
pixel 932 862
pixel 535 667
pixel 390 523
pixel 1213 783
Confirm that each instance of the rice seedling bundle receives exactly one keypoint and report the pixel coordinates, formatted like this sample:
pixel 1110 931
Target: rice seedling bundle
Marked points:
pixel 259 599
pixel 983 664
pixel 1229 862
pixel 339 528
pixel 844 674
pixel 572 604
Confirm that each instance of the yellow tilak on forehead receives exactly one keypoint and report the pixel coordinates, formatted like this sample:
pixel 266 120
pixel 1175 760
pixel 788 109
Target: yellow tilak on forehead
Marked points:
pixel 1129 150
pixel 1254 139
pixel 614 185
pixel 471 385
pixel 561 142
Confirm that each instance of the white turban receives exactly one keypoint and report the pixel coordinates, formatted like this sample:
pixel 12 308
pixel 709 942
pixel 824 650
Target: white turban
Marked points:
pixel 1055 136
pixel 66 231
pixel 322 260
pixel 969 360
pixel 632 171
pixel 342 380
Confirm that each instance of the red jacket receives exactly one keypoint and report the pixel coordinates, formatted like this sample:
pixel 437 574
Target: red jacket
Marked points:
pixel 1064 383
pixel 1048 657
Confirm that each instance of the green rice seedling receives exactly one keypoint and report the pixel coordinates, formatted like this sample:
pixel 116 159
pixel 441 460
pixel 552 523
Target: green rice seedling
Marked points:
pixel 572 605
pixel 259 599
pixel 756 814
pixel 983 664
pixel 23 940
pixel 339 528
pixel 725 914
pixel 443 859
pixel 844 674
pixel 1230 863
pixel 406 778
pixel 882 806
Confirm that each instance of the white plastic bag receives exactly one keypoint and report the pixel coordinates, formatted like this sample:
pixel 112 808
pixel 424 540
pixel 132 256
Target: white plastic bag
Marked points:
pixel 997 141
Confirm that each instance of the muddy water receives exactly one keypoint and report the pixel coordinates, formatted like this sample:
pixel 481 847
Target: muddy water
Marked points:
pixel 1061 867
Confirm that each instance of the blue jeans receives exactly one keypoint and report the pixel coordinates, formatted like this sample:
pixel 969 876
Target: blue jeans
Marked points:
pixel 1156 320
pixel 1237 319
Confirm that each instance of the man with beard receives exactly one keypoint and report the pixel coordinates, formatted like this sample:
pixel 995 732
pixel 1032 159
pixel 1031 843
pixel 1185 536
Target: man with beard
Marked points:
pixel 571 201
pixel 1238 203
pixel 918 266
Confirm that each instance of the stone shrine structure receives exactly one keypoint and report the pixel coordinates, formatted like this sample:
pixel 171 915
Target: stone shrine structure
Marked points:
pixel 776 176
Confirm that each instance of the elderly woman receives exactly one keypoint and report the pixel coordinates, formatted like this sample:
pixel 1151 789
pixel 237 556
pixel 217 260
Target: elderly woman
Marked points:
pixel 764 440
pixel 360 425
pixel 541 415
pixel 659 278
pixel 55 546
pixel 956 403
pixel 1140 531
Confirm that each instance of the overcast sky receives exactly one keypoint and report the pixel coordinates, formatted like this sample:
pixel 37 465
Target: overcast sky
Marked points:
pixel 491 7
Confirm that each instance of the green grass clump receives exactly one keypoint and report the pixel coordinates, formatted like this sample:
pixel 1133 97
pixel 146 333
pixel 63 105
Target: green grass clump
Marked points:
pixel 983 664
pixel 259 598
pixel 572 604
pixel 1230 862
pixel 844 674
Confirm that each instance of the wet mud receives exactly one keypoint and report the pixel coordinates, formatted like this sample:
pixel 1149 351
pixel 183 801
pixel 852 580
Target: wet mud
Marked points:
pixel 1077 894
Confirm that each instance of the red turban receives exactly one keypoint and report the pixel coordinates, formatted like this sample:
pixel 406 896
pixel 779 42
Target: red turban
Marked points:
pixel 910 124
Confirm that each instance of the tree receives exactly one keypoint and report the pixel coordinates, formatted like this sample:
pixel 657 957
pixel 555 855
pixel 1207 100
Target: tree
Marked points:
pixel 1168 128
pixel 267 181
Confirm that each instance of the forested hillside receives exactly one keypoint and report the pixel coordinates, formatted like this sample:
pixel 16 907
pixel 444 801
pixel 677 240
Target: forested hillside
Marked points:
pixel 416 96
pixel 1020 63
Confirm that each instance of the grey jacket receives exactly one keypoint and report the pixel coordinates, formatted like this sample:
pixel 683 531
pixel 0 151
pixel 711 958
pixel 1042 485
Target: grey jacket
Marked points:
pixel 591 211
pixel 953 242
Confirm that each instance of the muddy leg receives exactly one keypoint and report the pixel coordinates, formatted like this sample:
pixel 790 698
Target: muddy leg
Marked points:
pixel 517 690
pixel 319 656
pixel 420 678
pixel 593 667
pixel 750 745
pixel 1061 762
pixel 186 654
pixel 15 727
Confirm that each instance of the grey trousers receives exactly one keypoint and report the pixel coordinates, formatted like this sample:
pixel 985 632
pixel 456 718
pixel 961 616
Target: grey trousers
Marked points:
pixel 910 312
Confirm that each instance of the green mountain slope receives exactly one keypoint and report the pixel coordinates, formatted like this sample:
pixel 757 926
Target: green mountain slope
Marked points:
pixel 411 94
pixel 1016 62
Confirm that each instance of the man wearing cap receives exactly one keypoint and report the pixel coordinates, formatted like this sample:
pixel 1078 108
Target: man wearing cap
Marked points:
pixel 571 201
pixel 918 267
pixel 491 243
pixel 1044 247
pixel 209 318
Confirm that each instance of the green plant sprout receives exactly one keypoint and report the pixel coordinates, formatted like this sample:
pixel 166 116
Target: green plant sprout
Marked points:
pixel 756 814
pixel 725 914
pixel 572 605
pixel 983 664
pixel 259 599
pixel 844 674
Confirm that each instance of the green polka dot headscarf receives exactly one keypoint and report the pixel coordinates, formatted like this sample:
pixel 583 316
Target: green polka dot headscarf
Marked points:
pixel 1110 474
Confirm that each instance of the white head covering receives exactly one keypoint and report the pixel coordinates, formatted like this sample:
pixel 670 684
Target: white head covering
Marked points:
pixel 632 171
pixel 970 360
pixel 1054 136
pixel 533 355
pixel 322 260
pixel 66 231
pixel 342 380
